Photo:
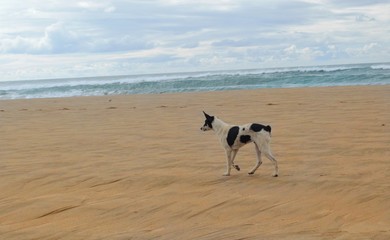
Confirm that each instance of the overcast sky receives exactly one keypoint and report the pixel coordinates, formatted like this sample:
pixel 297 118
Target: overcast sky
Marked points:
pixel 69 38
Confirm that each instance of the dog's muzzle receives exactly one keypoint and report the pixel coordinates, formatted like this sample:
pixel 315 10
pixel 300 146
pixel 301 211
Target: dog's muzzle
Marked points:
pixel 205 128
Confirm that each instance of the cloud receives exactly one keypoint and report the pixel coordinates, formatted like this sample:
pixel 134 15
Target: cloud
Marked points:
pixel 363 51
pixel 74 38
pixel 204 5
pixel 55 39
pixel 364 18
pixel 354 3
pixel 305 54
pixel 97 6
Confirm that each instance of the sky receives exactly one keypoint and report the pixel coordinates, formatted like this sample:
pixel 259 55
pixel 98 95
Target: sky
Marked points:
pixel 81 38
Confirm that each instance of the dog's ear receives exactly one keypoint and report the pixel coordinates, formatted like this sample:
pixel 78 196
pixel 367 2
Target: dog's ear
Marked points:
pixel 209 118
pixel 206 115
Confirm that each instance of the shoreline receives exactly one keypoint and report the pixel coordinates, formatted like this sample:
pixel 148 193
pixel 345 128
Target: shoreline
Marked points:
pixel 116 167
pixel 197 92
pixel 319 76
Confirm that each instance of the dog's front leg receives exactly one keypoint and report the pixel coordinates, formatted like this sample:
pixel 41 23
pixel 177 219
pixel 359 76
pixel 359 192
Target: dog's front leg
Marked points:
pixel 259 161
pixel 234 153
pixel 228 162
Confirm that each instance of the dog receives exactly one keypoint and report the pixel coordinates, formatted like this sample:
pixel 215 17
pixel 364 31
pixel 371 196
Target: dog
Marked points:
pixel 233 137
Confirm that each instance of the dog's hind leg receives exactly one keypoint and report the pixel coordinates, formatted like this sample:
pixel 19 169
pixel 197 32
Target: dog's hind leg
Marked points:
pixel 268 154
pixel 259 161
pixel 234 153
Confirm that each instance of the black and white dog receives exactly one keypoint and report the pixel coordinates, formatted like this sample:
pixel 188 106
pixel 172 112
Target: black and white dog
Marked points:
pixel 233 138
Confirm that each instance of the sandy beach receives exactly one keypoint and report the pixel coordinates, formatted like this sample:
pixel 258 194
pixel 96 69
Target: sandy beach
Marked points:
pixel 138 167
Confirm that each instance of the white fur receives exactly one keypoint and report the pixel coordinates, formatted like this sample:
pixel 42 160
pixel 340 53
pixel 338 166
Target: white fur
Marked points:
pixel 261 140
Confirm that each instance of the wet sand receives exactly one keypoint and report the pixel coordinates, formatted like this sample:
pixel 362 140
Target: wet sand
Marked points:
pixel 138 167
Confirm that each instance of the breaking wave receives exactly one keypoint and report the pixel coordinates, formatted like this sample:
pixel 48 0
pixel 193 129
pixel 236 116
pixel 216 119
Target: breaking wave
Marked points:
pixel 337 75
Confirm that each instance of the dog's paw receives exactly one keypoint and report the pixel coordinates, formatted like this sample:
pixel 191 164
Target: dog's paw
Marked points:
pixel 237 167
pixel 226 174
pixel 251 173
pixel 275 175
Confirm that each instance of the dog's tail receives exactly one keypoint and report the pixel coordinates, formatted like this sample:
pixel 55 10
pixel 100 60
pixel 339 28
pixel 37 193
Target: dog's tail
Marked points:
pixel 268 129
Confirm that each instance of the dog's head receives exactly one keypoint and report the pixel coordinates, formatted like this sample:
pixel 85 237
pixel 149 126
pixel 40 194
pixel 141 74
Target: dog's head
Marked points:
pixel 208 123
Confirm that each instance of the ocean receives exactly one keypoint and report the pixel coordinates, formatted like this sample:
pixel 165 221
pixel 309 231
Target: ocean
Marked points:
pixel 335 75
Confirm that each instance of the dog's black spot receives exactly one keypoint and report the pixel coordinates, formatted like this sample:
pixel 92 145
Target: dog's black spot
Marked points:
pixel 258 127
pixel 245 138
pixel 232 135
pixel 208 122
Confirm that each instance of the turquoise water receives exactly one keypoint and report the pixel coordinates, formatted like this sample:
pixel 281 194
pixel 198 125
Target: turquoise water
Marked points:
pixel 336 75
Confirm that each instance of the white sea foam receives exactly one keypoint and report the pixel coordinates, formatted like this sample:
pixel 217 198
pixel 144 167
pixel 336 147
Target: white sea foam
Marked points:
pixel 381 66
pixel 361 74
